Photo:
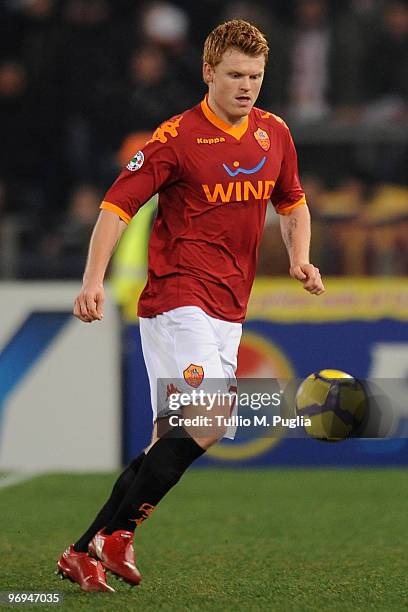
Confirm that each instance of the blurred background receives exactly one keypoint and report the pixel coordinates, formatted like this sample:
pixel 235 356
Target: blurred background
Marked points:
pixel 83 83
pixel 81 79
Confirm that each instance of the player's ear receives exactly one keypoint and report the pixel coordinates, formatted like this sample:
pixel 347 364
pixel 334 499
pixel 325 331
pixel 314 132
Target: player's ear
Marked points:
pixel 208 73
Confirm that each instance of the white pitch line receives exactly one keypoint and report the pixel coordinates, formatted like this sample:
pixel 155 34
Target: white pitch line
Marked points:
pixel 16 478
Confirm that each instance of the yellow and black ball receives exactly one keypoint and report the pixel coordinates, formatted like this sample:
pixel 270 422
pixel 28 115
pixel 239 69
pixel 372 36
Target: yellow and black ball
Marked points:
pixel 335 404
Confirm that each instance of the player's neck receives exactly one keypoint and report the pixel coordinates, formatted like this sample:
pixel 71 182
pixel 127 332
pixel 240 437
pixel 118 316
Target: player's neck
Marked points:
pixel 232 121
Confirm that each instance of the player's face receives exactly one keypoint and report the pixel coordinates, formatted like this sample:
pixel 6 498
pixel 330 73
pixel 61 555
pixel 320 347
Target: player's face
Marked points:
pixel 234 84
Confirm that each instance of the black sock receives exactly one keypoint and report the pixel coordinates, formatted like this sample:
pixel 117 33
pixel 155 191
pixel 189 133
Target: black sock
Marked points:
pixel 162 468
pixel 119 491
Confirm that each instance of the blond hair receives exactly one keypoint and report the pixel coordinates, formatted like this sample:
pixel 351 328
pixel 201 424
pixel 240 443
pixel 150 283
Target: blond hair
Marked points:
pixel 236 33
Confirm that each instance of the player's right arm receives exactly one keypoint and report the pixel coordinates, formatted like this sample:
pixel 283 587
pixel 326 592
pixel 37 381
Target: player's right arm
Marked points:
pixel 107 232
pixel 147 172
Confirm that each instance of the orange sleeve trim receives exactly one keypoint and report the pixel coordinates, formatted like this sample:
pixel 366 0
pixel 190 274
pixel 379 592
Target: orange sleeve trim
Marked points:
pixel 116 209
pixel 281 209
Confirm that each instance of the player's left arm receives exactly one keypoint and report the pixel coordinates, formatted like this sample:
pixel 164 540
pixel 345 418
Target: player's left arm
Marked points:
pixel 289 201
pixel 295 228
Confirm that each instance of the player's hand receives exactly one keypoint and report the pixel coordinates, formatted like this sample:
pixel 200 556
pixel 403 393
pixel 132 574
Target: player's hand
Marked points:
pixel 309 276
pixel 89 303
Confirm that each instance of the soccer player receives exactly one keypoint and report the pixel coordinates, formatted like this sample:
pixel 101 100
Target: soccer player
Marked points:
pixel 215 166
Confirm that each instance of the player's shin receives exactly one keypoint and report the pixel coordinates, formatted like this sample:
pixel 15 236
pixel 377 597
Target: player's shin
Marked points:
pixel 162 468
pixel 120 488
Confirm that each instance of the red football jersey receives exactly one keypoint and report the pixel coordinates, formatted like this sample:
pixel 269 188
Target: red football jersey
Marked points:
pixel 214 182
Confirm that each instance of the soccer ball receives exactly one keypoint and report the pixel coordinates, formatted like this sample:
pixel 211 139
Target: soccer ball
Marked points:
pixel 335 404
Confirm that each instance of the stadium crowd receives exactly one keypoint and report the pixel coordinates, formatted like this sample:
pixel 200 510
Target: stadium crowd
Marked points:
pixel 81 79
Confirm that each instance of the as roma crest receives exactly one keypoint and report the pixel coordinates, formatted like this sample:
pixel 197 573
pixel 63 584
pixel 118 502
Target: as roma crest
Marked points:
pixel 193 375
pixel 262 139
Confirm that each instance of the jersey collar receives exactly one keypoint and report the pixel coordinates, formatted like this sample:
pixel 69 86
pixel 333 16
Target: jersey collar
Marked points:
pixel 235 131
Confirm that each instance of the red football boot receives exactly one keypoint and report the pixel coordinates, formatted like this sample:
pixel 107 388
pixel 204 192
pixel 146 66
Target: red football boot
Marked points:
pixel 79 567
pixel 116 554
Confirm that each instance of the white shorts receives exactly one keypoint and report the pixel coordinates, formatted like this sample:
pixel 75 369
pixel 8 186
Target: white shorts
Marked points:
pixel 188 349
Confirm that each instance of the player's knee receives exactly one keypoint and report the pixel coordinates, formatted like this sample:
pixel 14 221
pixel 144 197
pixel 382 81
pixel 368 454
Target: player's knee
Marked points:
pixel 209 441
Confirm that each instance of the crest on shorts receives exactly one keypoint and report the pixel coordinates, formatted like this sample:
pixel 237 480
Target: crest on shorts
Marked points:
pixel 136 162
pixel 193 375
pixel 262 139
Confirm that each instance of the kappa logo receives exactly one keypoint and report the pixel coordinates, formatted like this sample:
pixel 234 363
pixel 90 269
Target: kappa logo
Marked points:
pixel 136 162
pixel 262 139
pixel 279 119
pixel 168 128
pixel 210 140
pixel 194 375
pixel 266 115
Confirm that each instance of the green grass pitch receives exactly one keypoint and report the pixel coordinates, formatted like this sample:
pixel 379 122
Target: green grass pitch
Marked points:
pixel 267 540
